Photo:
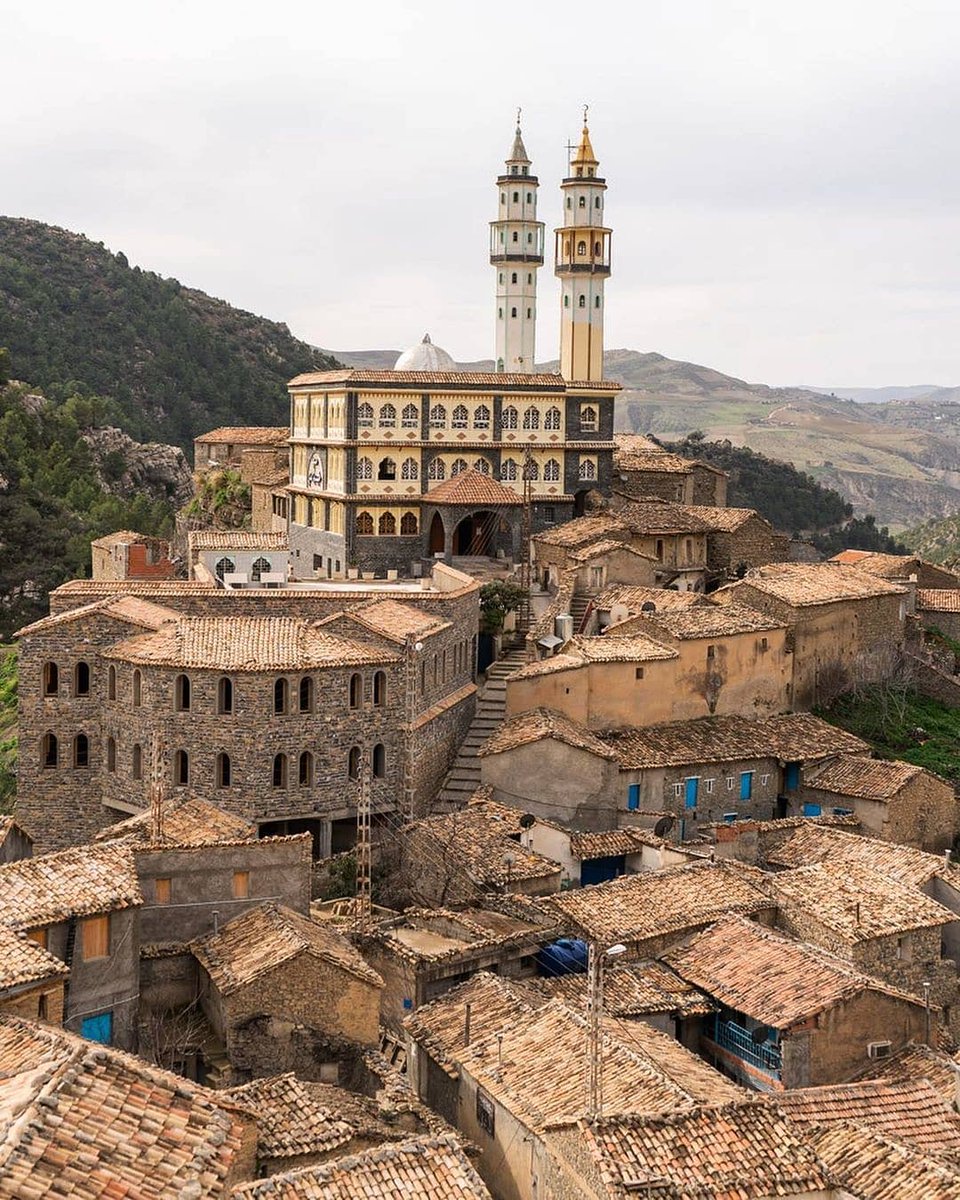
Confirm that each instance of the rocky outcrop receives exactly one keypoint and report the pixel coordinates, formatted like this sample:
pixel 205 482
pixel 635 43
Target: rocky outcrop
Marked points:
pixel 128 468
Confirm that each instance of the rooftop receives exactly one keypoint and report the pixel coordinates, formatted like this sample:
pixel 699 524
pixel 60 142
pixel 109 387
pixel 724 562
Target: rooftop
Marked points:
pixel 919 1064
pixel 802 584
pixel 123 537
pixel 481 847
pixel 252 435
pixel 631 647
pixel 650 515
pixel 79 882
pixel 870 1166
pixel 396 620
pixel 236 539
pixel 499 383
pixel 23 961
pixel 438 934
pixel 725 520
pixel 130 610
pixel 887 566
pixel 191 822
pixel 605 842
pixel 581 531
pixel 635 598
pixel 538 723
pixel 632 989
pixel 814 843
pixel 938 600
pixel 473 488
pixel 863 778
pixel 292 1117
pixel 711 621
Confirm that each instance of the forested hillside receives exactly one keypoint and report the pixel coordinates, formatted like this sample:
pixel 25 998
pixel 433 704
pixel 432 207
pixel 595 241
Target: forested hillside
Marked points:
pixel 79 319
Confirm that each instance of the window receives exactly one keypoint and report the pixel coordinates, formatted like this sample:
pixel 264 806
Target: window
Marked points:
pixel 365 416
pixel 509 417
pixel 481 417
pixel 51 679
pixel 550 514
pixel 459 466
pixel 551 470
pixel 387 525
pixel 746 785
pixel 305 771
pixel 552 420
pixel 281 696
pixel 364 524
pixel 711 651
pixel 408 524
pixel 181 768
pixel 597 249
pixel 136 762
pixel 486 1113
pixel 224 695
pixel 437 469
pixel 241 885
pixel 81 752
pixel 387 469
pixel 460 416
pixel 49 751
pixel 581 248
pixel 596 202
pixel 513 277
pixel 410 417
pixel 482 466
pixel 261 566
pixel 81 679
pixel 516 236
pixel 688 548
pixel 388 416
pixel 763 643
pixel 588 419
pixel 279 774
pixel 638 673
pixel 111 683
pixel 353 762
pixel 582 302
pixel 380 689
pixel 161 891
pixel 364 468
pixel 531 469
pixel 379 761
pixel 306 694
pixel 438 416
pixel 569 202
pixel 181 693
pixel 588 469
pixel 508 469
pixel 95 937
pixel 513 312
pixel 111 754
pixel 596 302
pixel 225 566
pixel 905 948
pixel 223 770
pixel 660 549
pixel 410 469
pixel 531 418
pixel 356 691
pixel 566 302
pixel 582 200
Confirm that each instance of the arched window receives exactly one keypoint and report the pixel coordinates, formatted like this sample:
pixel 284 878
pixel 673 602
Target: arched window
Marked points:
pixel 513 277
pixel 410 417
pixel 181 693
pixel 459 466
pixel 531 469
pixel 379 761
pixel 408 524
pixel 137 689
pixel 387 469
pixel 136 762
pixel 508 418
pixel 223 770
pixel 353 762
pixel 111 683
pixel 597 249
pixel 581 248
pixel 356 691
pixel 516 236
pixel 225 566
pixel 387 525
pixel 481 417
pixel 49 751
pixel 364 524
pixel 437 469
pixel 569 202
pixel 516 200
pixel 482 466
pixel 596 202
pixel 588 419
pixel 261 566
pixel 281 696
pixel 513 312
pixel 51 679
pixel 388 416
pixel 111 754
pixel 531 418
pixel 582 302
pixel 364 468
pixel 508 469
pixel 582 202
pixel 410 469
pixel 380 689
pixel 225 695
pixel 306 694
pixel 181 769
pixel 566 302
pixel 438 416
pixel 279 775
pixel 81 679
pixel 588 469
pixel 305 770
pixel 596 302
pixel 551 470
pixel 552 419
pixel 566 247
pixel 460 417
pixel 365 415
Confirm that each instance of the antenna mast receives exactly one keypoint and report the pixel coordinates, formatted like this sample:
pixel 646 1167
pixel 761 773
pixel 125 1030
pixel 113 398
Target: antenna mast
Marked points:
pixel 157 789
pixel 594 1033
pixel 410 650
pixel 364 856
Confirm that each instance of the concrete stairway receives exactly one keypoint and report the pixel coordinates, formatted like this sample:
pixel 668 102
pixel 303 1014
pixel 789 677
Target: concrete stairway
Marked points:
pixel 463 778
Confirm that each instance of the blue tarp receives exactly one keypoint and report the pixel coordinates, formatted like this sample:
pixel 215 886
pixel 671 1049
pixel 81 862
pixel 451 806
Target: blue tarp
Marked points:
pixel 568 956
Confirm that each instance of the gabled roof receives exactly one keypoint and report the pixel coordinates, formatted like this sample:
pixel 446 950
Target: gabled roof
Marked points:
pixel 864 778
pixel 80 882
pixel 582 530
pixel 814 843
pixel 605 842
pixel 474 489
pixel 917 1063
pixel 597 549
pixel 711 621
pixel 887 566
pixel 870 1166
pixel 23 961
pixel 651 515
pixel 130 610
pixel 236 539
pixel 938 600
pixel 726 520
pixel 803 584
pixel 630 647
pixel 266 937
pixel 538 723
pixel 482 850
pixel 253 435
pixel 634 598
pixel 190 822
pixel 292 1118
pixel 632 990
pixel 396 620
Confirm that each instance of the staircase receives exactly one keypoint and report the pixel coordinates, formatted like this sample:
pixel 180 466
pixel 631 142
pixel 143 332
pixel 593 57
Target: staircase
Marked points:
pixel 463 778
pixel 578 609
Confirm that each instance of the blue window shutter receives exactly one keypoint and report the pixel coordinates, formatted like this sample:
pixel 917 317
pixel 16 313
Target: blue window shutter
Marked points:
pixel 691 791
pixel 791 778
pixel 633 796
pixel 98 1028
pixel 811 810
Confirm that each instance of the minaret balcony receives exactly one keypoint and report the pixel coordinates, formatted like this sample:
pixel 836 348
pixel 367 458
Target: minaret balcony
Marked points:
pixel 535 259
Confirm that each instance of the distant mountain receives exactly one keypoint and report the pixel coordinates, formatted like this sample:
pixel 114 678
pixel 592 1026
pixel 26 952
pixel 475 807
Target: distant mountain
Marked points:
pixel 880 395
pixel 938 541
pixel 173 360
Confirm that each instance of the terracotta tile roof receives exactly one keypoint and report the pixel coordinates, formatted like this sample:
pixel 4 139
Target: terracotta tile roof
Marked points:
pixel 80 1120
pixel 636 441
pixel 652 460
pixel 870 1166
pixel 631 647
pixel 425 1168
pixel 607 546
pixel 632 990
pixel 270 477
pixel 766 976
pixel 802 584
pixel 816 843
pixel 431 935
pixel 266 937
pixel 855 903
pixel 919 1064
pixel 549 666
pixel 608 842
pixel 865 778
pixel 291 1118
pixel 711 620
pixel 247 644
pixel 938 600
pixel 123 537
pixel 24 961
pixel 743 1150
pixel 131 610
pixel 236 539
pixel 538 723
pixel 473 488
pixel 251 435
pixel 483 850
pixel 583 530
pixel 497 382
pixel 911 1112
pixel 191 822
pixel 651 515
pixel 635 598
pixel 396 620
pixel 79 882
pixel 8 825
pixel 652 904
pixel 887 566
pixel 725 520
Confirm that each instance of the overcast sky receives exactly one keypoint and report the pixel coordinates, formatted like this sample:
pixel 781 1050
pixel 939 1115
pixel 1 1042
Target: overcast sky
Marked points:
pixel 783 178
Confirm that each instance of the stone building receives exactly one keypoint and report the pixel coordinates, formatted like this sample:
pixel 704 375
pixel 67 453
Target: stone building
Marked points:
pixel 15 843
pixel 645 468
pixel 672 534
pixel 900 568
pixel 239 557
pixel 939 608
pixel 224 447
pixel 739 538
pixel 32 980
pixel 128 555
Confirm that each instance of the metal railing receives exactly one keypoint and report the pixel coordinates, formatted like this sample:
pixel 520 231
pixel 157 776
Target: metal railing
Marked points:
pixel 728 1035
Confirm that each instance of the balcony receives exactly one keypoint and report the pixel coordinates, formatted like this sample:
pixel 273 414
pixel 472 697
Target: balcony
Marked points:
pixel 738 1041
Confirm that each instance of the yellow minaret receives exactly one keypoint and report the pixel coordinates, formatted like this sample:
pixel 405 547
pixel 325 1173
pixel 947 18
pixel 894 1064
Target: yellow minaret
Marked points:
pixel 582 263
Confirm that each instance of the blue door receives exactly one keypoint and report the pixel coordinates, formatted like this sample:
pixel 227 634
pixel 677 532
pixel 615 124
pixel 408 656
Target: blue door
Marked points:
pixel 746 785
pixel 690 793
pixel 811 810
pixel 98 1028
pixel 633 796
pixel 791 777
pixel 598 870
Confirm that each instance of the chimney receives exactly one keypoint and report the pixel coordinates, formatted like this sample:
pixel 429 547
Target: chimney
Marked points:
pixel 216 920
pixel 466 1023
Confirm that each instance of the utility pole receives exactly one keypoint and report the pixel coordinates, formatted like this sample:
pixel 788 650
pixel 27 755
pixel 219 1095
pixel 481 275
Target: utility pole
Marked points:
pixel 411 650
pixel 363 853
pixel 595 963
pixel 157 789
pixel 526 534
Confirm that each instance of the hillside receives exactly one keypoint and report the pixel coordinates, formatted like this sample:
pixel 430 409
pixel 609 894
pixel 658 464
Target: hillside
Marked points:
pixel 175 362
pixel 938 541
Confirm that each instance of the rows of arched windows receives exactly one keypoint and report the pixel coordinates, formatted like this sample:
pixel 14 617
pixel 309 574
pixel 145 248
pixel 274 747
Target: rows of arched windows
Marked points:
pixel 50 752
pixel 287 698
pixel 51 682
pixel 387 469
pixel 387 524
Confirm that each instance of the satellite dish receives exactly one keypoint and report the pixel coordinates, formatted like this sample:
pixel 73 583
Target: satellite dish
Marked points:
pixel 648 606
pixel 527 820
pixel 663 826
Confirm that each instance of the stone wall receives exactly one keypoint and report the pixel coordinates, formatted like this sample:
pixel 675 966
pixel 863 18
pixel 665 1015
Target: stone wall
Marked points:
pixel 754 544
pixel 41 1003
pixel 923 814
pixel 839 1045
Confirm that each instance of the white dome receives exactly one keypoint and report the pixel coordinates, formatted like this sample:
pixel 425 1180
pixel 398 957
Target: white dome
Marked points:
pixel 425 357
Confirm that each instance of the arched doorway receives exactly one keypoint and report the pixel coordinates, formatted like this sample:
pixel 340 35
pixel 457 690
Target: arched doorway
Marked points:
pixel 437 536
pixel 474 535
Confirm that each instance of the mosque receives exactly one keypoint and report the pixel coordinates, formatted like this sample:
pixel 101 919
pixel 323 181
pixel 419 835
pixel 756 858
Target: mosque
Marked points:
pixel 388 468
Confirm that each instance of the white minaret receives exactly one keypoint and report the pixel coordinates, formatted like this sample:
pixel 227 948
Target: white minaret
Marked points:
pixel 516 252
pixel 583 265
